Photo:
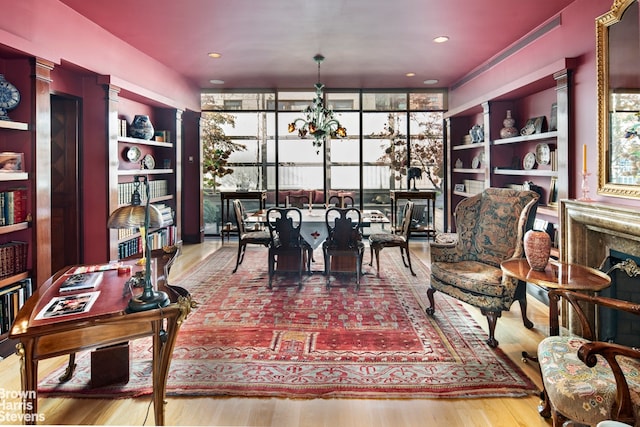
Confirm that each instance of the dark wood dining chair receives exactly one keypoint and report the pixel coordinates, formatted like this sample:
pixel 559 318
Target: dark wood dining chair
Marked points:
pixel 344 241
pixel 341 201
pixel 287 249
pixel 297 201
pixel 379 241
pixel 246 237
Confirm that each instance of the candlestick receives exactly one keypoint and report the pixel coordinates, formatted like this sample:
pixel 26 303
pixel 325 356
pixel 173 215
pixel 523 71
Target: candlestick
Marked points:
pixel 585 187
pixel 584 159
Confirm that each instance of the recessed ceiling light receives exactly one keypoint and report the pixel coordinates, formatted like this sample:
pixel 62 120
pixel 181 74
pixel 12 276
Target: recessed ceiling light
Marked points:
pixel 441 39
pixel 216 82
pixel 215 55
pixel 430 81
pixel 410 74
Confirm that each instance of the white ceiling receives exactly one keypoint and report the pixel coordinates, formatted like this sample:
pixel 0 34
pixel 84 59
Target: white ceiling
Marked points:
pixel 367 43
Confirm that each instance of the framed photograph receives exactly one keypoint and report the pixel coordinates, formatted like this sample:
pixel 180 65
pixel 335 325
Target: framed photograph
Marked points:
pixel 459 187
pixel 11 162
pixel 553 192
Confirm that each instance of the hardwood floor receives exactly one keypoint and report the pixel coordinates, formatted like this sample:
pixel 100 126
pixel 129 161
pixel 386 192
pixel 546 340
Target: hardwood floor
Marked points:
pixel 231 411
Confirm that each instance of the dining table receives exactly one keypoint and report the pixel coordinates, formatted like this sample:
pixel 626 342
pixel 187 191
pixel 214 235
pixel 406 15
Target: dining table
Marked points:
pixel 314 228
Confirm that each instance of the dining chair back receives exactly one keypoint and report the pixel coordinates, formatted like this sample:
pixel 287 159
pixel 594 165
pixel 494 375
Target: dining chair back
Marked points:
pixel 379 241
pixel 286 248
pixel 345 239
pixel 245 237
pixel 341 201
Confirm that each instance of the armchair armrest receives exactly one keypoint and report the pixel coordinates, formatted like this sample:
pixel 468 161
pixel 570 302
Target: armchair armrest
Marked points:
pixel 574 298
pixel 623 408
pixel 445 252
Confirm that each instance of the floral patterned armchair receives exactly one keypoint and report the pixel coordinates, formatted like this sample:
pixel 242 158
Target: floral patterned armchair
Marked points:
pixel 588 381
pixel 490 227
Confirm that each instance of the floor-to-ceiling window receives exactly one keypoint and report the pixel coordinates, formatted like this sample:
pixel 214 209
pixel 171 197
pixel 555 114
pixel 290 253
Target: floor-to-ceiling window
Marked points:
pixel 387 133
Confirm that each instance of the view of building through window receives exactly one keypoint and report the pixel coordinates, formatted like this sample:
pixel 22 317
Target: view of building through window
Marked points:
pixel 247 146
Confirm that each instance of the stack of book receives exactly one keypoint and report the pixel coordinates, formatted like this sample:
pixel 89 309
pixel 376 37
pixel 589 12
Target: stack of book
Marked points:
pixel 167 213
pixel 473 186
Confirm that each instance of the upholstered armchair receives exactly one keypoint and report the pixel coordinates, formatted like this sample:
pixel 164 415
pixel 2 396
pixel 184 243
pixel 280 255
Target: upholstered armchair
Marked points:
pixel 588 381
pixel 490 227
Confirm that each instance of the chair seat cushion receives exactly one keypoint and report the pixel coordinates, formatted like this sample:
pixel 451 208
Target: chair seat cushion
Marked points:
pixel 578 392
pixel 386 239
pixel 259 237
pixel 469 276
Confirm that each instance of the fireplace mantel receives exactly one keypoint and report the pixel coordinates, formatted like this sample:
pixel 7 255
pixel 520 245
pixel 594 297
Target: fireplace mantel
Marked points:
pixel 589 230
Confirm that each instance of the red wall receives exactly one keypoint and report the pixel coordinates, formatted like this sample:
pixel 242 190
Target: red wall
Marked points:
pixel 55 32
pixel 574 38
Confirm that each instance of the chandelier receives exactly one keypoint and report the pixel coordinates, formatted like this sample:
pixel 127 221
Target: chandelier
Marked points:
pixel 318 121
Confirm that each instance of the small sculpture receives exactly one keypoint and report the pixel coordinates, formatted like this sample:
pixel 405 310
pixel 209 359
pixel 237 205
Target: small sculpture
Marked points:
pixel 413 173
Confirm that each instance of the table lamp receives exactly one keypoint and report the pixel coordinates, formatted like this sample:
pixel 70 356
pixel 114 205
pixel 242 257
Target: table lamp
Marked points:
pixel 135 215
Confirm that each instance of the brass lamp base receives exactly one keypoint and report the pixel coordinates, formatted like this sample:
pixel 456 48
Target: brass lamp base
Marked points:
pixel 156 299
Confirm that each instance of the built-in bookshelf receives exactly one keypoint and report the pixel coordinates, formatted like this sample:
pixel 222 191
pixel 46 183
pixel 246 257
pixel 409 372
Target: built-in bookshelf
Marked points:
pixel 15 204
pixel 534 159
pixel 157 159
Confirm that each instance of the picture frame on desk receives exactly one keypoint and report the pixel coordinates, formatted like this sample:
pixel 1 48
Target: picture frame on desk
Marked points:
pixel 11 162
pixel 66 305
pixel 459 187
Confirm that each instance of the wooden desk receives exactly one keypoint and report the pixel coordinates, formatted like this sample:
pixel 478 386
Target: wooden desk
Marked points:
pixel 104 324
pixel 260 195
pixel 428 195
pixel 557 275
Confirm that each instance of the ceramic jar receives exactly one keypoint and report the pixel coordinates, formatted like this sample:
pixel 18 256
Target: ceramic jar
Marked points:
pixel 141 127
pixel 509 130
pixel 537 248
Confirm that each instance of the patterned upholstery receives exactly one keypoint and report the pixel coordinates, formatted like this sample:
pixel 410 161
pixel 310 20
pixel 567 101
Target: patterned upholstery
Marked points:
pixel 489 227
pixel 588 381
pixel 578 392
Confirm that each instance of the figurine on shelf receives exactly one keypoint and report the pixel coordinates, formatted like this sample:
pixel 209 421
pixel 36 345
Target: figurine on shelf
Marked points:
pixel 477 133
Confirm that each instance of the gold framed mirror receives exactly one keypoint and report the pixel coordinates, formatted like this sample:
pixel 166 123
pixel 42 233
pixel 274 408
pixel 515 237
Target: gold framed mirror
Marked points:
pixel 618 56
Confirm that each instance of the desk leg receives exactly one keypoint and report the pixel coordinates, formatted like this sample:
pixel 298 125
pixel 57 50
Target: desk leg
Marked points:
pixel 159 377
pixel 163 344
pixel 29 376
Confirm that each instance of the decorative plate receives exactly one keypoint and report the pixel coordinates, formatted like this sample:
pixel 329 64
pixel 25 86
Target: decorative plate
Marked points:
pixel 148 162
pixel 543 154
pixel 529 161
pixel 475 163
pixel 133 154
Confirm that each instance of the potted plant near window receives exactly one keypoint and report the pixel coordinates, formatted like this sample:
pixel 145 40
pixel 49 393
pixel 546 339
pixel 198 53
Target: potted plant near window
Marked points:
pixel 217 147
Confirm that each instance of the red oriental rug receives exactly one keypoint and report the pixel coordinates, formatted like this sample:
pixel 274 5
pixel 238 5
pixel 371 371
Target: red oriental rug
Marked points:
pixel 247 340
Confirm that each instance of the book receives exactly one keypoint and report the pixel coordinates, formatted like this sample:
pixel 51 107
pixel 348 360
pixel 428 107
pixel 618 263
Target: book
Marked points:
pixel 68 304
pixel 79 281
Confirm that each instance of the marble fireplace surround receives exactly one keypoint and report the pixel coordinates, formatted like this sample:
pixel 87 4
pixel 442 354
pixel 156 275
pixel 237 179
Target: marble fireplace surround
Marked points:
pixel 589 230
